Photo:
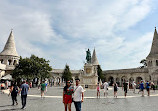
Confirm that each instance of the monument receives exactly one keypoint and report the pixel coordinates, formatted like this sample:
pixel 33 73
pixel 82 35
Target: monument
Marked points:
pixel 89 78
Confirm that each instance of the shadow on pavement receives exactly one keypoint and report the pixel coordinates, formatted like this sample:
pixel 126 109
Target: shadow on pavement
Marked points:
pixel 5 105
pixel 11 109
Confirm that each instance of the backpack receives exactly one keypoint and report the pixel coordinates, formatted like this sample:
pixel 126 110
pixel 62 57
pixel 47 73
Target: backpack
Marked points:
pixel 15 89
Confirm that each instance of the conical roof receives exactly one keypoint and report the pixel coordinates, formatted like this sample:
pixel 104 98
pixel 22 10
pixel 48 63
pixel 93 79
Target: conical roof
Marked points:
pixel 94 58
pixel 10 48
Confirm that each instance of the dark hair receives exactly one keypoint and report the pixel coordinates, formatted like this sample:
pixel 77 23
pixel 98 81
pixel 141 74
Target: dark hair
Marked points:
pixel 65 88
pixel 77 79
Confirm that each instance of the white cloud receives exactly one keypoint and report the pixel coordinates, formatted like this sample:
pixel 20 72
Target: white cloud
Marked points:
pixel 61 30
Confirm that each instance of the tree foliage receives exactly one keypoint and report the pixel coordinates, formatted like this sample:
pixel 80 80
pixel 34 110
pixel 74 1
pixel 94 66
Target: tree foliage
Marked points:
pixel 100 73
pixel 67 73
pixel 33 67
pixel 144 62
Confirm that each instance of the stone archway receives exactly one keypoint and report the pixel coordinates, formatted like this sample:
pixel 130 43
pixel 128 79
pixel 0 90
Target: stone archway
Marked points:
pixel 58 81
pixel 118 81
pixel 111 80
pixel 138 80
pixel 131 80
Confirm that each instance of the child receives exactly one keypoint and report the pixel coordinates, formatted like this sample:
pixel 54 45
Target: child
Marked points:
pixel 98 90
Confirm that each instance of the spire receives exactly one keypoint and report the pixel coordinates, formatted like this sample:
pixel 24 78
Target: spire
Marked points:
pixel 154 47
pixel 94 58
pixel 10 48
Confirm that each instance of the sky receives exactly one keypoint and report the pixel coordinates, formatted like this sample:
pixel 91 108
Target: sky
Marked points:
pixel 121 31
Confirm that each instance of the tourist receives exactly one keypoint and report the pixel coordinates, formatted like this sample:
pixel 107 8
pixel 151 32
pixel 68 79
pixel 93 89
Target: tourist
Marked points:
pixel 153 85
pixel 105 89
pixel 141 85
pixel 115 89
pixel 125 86
pixel 98 90
pixel 134 86
pixel 2 87
pixel 148 88
pixel 14 91
pixel 24 90
pixel 46 84
pixel 67 95
pixel 78 95
pixel 43 88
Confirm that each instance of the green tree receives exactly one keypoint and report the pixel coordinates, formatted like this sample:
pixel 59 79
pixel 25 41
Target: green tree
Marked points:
pixel 100 73
pixel 33 67
pixel 67 73
pixel 144 62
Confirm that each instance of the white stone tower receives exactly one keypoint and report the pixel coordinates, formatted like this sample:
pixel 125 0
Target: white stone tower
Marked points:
pixel 9 55
pixel 152 59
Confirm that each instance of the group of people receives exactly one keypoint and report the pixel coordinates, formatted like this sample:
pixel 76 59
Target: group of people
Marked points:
pixel 125 87
pixel 73 94
pixel 15 90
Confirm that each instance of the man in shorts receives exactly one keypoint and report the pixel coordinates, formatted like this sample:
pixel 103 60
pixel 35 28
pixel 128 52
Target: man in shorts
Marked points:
pixel 148 88
pixel 43 87
pixel 106 85
pixel 142 88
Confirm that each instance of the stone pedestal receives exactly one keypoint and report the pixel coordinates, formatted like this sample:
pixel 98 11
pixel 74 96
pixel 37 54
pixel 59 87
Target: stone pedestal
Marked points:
pixel 89 78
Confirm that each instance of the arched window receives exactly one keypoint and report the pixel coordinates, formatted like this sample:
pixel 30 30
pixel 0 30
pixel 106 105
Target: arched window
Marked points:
pixel 9 62
pixel 156 62
pixel 15 62
pixel 1 61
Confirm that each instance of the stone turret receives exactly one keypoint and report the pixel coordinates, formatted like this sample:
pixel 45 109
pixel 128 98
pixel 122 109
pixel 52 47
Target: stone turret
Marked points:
pixel 94 58
pixel 152 58
pixel 9 55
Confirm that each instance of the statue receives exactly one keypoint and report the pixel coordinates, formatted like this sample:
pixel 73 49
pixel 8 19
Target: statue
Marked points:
pixel 88 56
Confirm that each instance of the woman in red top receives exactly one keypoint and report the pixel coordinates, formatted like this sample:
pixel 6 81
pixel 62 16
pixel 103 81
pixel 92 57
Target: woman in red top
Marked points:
pixel 67 95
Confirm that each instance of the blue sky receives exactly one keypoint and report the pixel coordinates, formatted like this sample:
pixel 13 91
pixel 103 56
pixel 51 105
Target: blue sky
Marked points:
pixel 62 30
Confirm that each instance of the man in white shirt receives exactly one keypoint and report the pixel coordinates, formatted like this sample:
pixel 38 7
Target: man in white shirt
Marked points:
pixel 78 95
pixel 105 89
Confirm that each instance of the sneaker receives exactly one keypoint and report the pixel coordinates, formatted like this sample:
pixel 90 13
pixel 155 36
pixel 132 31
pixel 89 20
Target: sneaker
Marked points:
pixel 23 108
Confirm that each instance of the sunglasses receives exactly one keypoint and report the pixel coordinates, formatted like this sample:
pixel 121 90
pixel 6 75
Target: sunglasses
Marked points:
pixel 68 82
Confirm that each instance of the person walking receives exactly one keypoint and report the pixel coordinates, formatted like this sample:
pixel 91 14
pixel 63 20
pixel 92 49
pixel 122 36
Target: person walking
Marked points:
pixel 115 89
pixel 43 88
pixel 67 95
pixel 148 88
pixel 14 91
pixel 153 85
pixel 98 90
pixel 142 88
pixel 78 95
pixel 24 90
pixel 105 88
pixel 125 86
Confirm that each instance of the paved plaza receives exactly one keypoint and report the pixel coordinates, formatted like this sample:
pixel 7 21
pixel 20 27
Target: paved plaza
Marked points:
pixel 53 101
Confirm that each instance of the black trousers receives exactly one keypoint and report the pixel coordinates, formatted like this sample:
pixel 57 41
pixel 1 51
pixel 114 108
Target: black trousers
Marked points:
pixel 14 99
pixel 23 100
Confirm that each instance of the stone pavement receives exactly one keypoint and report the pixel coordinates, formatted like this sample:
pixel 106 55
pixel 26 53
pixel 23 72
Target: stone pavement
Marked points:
pixel 53 101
